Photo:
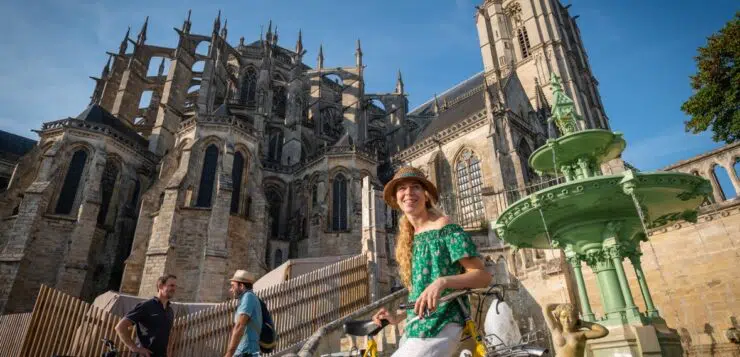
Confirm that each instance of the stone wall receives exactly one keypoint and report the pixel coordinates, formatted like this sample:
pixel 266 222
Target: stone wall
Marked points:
pixel 692 271
pixel 43 261
pixel 192 230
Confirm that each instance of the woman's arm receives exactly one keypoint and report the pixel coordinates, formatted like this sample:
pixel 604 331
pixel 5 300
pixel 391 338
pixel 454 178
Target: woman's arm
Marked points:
pixel 594 330
pixel 549 319
pixel 475 276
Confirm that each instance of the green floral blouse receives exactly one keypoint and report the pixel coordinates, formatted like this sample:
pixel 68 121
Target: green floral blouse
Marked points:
pixel 437 253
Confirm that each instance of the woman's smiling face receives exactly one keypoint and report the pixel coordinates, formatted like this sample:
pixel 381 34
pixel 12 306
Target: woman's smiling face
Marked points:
pixel 411 196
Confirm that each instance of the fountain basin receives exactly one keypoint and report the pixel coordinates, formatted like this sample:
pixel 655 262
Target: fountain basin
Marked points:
pixel 602 145
pixel 579 213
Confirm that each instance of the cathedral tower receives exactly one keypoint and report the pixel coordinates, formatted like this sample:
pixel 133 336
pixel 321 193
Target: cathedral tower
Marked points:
pixel 534 39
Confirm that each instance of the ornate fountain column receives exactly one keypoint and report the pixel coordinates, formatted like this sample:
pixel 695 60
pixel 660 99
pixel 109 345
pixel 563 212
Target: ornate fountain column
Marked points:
pixel 606 274
pixel 634 257
pixel 575 263
pixel 616 252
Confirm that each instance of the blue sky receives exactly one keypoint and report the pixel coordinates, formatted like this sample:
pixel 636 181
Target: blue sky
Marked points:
pixel 640 51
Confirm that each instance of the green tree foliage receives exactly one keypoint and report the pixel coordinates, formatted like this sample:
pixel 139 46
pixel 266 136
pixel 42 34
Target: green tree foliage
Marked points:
pixel 716 100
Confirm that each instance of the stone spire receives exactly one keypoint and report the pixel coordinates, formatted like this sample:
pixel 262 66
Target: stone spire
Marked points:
pixel 358 54
pixel 217 23
pixel 299 43
pixel 141 39
pixel 399 83
pixel 268 35
pixel 224 31
pixel 106 70
pixel 161 68
pixel 187 24
pixel 320 58
pixel 124 44
pixel 436 104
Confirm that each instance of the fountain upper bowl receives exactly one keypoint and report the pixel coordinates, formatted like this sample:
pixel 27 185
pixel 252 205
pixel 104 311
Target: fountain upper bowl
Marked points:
pixel 577 213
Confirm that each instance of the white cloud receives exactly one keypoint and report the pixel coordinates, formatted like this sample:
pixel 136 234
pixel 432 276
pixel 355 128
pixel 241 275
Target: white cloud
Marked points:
pixel 661 149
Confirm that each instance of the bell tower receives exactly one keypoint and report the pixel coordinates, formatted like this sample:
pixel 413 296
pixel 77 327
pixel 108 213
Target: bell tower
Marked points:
pixel 535 40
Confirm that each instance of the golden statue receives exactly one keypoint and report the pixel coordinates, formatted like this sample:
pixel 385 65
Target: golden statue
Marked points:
pixel 569 333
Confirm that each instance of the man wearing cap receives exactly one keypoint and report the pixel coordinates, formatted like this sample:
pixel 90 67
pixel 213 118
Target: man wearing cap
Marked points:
pixel 244 340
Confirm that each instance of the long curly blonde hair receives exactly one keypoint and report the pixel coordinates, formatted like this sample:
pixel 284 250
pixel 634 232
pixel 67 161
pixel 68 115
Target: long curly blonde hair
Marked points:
pixel 405 242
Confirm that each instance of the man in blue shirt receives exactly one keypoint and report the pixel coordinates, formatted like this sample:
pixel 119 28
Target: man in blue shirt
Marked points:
pixel 244 340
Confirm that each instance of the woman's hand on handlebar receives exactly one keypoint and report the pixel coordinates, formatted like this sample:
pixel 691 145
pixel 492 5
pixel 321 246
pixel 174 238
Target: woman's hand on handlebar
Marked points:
pixel 429 298
pixel 384 314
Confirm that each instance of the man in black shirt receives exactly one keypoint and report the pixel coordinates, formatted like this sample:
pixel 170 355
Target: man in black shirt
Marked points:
pixel 153 319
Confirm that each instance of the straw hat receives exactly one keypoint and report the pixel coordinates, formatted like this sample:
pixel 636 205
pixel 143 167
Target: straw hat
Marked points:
pixel 406 173
pixel 243 276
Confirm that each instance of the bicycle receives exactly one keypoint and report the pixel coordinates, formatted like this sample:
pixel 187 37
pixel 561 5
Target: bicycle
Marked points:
pixel 112 350
pixel 484 347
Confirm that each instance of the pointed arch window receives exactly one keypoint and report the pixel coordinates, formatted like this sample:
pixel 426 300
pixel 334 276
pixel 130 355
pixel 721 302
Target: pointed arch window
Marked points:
pixel 107 185
pixel 274 201
pixel 237 175
pixel 470 211
pixel 71 183
pixel 207 177
pixel 523 42
pixel 279 101
pixel 248 93
pixel 278 257
pixel 525 152
pixel 314 195
pixel 443 178
pixel 133 205
pixel 275 150
pixel 339 203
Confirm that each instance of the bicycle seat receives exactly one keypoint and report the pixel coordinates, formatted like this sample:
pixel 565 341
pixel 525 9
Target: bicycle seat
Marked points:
pixel 363 327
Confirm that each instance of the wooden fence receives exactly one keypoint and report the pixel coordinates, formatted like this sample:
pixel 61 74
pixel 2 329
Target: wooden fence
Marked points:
pixel 64 325
pixel 298 306
pixel 13 329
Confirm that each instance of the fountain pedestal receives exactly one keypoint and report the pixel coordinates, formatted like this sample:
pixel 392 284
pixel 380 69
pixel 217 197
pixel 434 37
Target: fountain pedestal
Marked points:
pixel 601 220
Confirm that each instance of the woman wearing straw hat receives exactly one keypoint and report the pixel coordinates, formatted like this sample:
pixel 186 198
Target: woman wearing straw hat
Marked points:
pixel 434 258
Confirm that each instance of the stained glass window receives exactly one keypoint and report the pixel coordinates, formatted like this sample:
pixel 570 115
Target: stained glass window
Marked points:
pixel 470 204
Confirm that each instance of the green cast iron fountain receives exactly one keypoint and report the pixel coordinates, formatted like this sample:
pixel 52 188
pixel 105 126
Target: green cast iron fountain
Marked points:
pixel 598 219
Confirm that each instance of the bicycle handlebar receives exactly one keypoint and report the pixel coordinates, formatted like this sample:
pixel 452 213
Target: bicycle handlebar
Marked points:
pixel 495 289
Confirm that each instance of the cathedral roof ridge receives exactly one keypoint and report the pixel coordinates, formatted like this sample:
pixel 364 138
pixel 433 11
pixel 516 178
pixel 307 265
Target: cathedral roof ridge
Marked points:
pixel 446 94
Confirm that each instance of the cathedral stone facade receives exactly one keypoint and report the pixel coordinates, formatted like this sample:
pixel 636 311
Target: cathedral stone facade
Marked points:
pixel 244 156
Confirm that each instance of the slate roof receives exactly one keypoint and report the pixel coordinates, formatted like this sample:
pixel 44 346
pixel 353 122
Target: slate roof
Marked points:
pixel 457 111
pixel 14 146
pixel 98 114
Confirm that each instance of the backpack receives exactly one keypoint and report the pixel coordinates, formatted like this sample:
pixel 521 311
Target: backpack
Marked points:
pixel 268 337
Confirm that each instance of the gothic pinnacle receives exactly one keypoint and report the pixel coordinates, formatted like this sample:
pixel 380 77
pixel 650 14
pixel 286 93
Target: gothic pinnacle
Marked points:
pixel 320 58
pixel 217 23
pixel 399 83
pixel 225 31
pixel 124 43
pixel 161 67
pixel 299 43
pixel 186 25
pixel 358 55
pixel 142 34
pixel 106 70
